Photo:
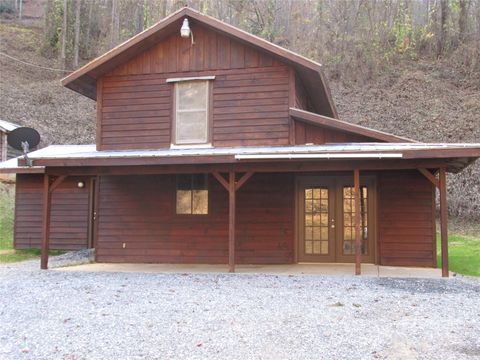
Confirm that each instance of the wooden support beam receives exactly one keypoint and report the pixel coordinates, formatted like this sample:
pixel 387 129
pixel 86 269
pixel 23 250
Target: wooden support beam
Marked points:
pixel 231 186
pixel 57 182
pixel 221 180
pixel 231 221
pixel 429 176
pixel 243 180
pixel 444 220
pixel 47 199
pixel 358 240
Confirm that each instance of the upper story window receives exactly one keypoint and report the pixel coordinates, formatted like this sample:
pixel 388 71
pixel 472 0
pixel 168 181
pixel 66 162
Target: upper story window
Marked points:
pixel 192 113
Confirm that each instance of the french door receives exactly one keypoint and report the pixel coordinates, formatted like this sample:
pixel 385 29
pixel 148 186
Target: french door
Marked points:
pixel 326 219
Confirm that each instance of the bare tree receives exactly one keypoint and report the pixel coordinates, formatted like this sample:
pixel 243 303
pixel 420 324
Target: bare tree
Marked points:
pixel 76 43
pixel 20 9
pixel 442 33
pixel 63 50
pixel 462 19
pixel 115 24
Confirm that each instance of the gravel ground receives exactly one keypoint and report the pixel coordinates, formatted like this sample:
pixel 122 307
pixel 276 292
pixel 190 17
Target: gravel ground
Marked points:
pixel 81 315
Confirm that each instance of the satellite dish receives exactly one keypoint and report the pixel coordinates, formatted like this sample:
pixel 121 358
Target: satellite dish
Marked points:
pixel 23 138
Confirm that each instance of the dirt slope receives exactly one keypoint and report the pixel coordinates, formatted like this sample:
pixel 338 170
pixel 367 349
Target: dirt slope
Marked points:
pixel 421 100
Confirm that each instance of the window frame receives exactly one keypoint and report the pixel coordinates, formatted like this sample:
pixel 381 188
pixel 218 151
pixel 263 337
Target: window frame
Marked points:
pixel 209 110
pixel 175 194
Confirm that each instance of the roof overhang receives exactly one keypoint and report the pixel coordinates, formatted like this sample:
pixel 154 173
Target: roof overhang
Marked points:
pixel 397 155
pixel 12 166
pixel 6 126
pixel 316 119
pixel 83 80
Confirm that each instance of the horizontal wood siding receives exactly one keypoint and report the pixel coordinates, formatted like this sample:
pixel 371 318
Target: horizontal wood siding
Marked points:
pixel 139 211
pixel 251 108
pixel 69 214
pixel 250 94
pixel 406 235
pixel 3 146
pixel 302 101
pixel 265 220
pixel 311 134
pixel 136 113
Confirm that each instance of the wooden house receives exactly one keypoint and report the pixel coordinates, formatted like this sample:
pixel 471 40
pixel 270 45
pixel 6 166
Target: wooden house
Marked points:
pixel 215 146
pixel 5 151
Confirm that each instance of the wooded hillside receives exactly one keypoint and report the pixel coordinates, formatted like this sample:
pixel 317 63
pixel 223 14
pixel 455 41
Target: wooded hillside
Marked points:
pixel 404 66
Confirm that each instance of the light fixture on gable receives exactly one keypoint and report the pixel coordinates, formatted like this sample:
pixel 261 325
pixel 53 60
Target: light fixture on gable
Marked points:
pixel 185 31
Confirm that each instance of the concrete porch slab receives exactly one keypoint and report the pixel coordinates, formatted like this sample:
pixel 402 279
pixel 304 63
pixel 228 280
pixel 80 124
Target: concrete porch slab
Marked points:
pixel 290 269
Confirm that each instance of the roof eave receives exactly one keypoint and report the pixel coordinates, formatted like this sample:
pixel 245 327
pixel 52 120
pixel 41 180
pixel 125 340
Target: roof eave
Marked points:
pixel 321 120
pixel 283 54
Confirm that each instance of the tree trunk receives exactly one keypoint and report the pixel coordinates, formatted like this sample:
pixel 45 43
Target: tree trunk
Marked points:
pixel 89 26
pixel 139 20
pixel 64 34
pixel 76 44
pixel 114 31
pixel 442 34
pixel 163 9
pixel 20 9
pixel 462 20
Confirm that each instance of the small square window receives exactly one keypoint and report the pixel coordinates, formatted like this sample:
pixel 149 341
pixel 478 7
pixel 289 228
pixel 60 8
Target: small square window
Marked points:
pixel 192 194
pixel 191 112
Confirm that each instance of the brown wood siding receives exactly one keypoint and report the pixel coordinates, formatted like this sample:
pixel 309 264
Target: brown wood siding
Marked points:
pixel 406 235
pixel 302 100
pixel 250 94
pixel 306 134
pixel 69 216
pixel 3 147
pixel 140 212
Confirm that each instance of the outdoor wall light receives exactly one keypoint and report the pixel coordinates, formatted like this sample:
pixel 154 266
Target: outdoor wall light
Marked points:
pixel 185 31
pixel 81 184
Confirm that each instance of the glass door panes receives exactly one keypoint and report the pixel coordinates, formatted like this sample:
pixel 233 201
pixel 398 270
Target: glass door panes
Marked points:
pixel 316 214
pixel 348 199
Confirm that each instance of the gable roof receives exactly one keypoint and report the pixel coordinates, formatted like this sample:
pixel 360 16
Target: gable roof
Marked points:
pixel 310 72
pixel 316 119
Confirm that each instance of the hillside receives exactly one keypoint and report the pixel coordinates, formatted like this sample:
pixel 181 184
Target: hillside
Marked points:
pixel 427 101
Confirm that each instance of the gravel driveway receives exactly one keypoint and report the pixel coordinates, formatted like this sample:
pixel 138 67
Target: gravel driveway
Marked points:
pixel 81 315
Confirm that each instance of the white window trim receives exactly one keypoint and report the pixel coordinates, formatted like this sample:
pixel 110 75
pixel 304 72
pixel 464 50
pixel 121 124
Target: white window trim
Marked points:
pixel 189 144
pixel 196 78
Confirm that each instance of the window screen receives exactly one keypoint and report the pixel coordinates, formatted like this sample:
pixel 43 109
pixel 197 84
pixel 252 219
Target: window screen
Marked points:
pixel 191 118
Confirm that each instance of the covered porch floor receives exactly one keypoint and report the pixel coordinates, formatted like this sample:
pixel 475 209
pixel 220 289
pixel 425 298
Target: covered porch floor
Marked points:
pixel 333 269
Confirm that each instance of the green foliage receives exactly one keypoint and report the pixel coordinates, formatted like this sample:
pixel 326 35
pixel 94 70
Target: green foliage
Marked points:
pixel 463 254
pixel 7 205
pixel 26 254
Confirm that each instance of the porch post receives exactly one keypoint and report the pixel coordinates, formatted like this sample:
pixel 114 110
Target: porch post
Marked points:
pixel 47 199
pixel 443 220
pixel 231 221
pixel 358 242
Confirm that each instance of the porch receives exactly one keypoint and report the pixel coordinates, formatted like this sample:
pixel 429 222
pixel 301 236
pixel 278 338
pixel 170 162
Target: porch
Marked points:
pixel 322 269
pixel 132 196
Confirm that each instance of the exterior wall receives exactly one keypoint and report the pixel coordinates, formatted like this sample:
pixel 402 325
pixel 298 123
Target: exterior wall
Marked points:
pixel 310 134
pixel 406 219
pixel 302 101
pixel 250 94
pixel 3 146
pixel 140 212
pixel 69 214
